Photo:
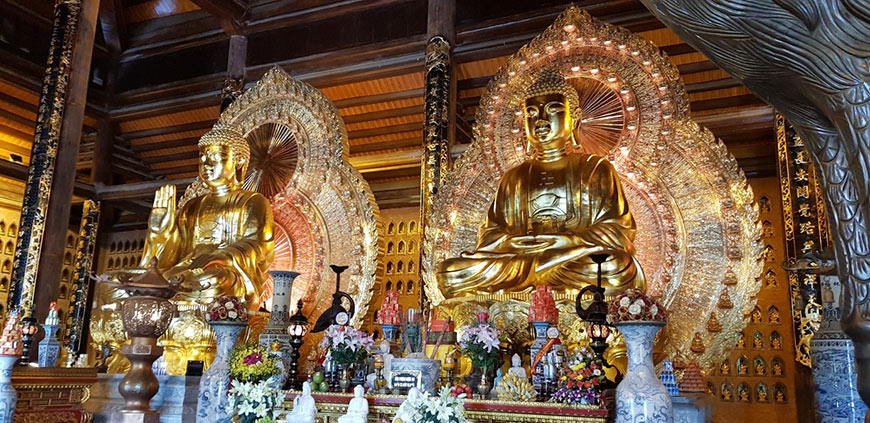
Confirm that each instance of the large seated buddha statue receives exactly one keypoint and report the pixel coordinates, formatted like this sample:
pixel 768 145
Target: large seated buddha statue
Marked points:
pixel 218 243
pixel 550 213
pixel 221 242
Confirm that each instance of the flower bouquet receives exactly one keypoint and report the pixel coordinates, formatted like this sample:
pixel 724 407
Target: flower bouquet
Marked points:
pixel 581 380
pixel 635 306
pixel 480 343
pixel 346 345
pixel 255 392
pixel 226 309
pixel 444 408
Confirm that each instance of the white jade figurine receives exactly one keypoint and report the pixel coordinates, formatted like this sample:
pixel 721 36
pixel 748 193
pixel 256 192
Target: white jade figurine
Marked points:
pixel 408 408
pixel 304 407
pixel 517 366
pixel 358 409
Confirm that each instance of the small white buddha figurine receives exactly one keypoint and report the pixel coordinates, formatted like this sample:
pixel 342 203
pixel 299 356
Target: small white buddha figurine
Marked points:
pixel 304 407
pixel 408 408
pixel 357 410
pixel 517 366
pixel 388 362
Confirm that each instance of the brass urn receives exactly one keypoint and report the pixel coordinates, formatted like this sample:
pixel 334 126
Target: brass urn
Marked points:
pixel 146 314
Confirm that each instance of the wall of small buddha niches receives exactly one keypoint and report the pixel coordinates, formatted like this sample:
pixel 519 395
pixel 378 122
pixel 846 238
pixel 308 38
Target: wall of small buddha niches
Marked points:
pixel 756 382
pixel 401 263
pixel 9 218
pixel 120 250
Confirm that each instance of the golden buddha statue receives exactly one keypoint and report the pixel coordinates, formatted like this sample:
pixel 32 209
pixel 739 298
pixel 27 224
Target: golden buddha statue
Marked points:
pixel 550 213
pixel 219 243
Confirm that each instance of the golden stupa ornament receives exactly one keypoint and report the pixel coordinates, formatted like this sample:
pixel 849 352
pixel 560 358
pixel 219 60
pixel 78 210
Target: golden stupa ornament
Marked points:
pixel 695 214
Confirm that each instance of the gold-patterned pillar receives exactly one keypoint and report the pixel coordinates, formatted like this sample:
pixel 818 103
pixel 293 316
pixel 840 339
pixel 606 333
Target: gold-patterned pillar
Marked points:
pixel 79 304
pixel 439 109
pixel 57 133
pixel 806 232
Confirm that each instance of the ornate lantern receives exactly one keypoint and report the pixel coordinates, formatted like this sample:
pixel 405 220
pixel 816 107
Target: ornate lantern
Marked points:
pixel 29 329
pixel 297 329
pixel 596 312
pixel 146 315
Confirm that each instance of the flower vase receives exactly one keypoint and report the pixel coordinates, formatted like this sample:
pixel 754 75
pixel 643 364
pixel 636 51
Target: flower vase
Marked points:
pixel 344 381
pixel 212 402
pixel 641 396
pixel 8 396
pixel 483 387
pixel 49 347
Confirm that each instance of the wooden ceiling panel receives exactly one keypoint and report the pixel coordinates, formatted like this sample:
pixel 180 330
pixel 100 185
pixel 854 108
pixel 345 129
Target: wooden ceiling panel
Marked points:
pixel 386 122
pixel 375 86
pixel 175 136
pixel 153 9
pixel 397 136
pixel 178 118
pixel 486 67
pixel 377 107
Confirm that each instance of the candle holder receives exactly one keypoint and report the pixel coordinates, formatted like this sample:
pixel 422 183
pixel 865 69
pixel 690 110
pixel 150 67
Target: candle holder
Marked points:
pixel 380 381
pixel 146 314
pixel 297 330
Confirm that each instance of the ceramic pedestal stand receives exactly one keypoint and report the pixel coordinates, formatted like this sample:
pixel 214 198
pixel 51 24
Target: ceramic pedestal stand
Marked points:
pixel 641 397
pixel 8 396
pixel 49 348
pixel 213 405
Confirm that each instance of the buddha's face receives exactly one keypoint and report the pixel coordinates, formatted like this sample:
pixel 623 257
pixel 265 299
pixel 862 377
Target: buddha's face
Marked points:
pixel 548 121
pixel 218 166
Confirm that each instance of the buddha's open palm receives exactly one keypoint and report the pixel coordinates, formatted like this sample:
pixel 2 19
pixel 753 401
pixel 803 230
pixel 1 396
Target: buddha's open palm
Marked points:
pixel 162 217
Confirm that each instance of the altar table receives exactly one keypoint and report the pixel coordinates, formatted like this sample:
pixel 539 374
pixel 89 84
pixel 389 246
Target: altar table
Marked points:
pixel 382 408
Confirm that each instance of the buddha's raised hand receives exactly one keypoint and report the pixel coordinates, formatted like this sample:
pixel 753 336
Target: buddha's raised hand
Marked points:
pixel 162 217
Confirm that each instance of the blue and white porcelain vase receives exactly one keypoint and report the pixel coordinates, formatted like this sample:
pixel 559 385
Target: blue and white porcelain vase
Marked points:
pixel 49 347
pixel 213 405
pixel 8 396
pixel 641 396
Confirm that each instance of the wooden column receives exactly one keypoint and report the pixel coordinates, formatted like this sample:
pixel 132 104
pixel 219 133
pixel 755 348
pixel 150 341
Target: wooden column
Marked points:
pixel 234 83
pixel 46 206
pixel 439 124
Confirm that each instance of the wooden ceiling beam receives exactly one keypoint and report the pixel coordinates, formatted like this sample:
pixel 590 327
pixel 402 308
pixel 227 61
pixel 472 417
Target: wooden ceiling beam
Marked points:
pixel 156 146
pixel 165 130
pixel 384 114
pixel 114 26
pixel 384 130
pixel 231 13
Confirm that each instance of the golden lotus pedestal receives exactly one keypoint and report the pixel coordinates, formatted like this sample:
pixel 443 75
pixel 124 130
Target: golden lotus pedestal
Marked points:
pixel 383 408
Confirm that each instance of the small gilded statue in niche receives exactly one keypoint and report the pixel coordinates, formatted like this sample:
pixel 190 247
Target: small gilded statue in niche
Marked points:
pixel 755 317
pixel 550 213
pixel 726 392
pixel 775 341
pixel 779 394
pixel 742 368
pixel 741 340
pixel 773 316
pixel 724 368
pixel 776 368
pixel 760 368
pixel 761 392
pixel 743 393
pixel 757 341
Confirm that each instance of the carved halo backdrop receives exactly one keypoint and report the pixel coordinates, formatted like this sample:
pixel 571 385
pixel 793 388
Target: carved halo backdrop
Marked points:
pixel 698 230
pixel 325 212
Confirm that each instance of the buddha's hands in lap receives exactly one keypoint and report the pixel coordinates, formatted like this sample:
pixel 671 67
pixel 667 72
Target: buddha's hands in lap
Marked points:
pixel 542 243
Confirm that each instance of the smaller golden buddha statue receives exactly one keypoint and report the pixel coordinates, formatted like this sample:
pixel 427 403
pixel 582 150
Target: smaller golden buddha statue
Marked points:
pixel 741 340
pixel 757 342
pixel 221 242
pixel 742 368
pixel 550 213
pixel 724 368
pixel 759 368
pixel 762 394
pixel 777 368
pixel 726 394
pixel 743 394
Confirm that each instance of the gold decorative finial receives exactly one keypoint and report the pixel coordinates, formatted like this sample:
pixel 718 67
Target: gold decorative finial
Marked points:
pixel 551 81
pixel 227 136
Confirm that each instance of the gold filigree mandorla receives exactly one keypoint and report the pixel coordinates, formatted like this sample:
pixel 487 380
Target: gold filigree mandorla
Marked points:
pixel 695 215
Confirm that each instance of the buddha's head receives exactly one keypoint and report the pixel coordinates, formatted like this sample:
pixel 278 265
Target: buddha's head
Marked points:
pixel 223 157
pixel 551 109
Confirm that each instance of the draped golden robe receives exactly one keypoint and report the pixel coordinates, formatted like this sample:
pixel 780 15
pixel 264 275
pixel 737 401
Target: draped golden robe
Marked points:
pixel 236 229
pixel 576 206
